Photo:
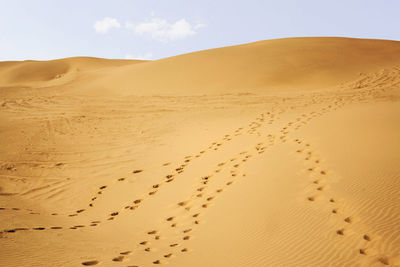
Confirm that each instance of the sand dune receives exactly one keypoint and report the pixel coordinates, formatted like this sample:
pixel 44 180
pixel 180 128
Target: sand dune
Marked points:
pixel 54 72
pixel 275 153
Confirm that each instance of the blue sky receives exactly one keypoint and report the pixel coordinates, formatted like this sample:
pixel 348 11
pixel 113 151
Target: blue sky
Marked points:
pixel 152 29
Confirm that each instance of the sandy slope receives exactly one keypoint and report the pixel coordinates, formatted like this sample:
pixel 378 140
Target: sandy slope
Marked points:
pixel 277 153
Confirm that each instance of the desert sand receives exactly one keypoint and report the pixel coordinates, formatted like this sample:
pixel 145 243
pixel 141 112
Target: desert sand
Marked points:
pixel 276 153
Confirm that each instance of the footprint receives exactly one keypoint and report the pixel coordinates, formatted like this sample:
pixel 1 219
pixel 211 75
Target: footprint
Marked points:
pixel 137 201
pixel 311 198
pixel 363 251
pixel 56 227
pixel 186 237
pixel 90 263
pixel 39 228
pixel 126 252
pixel 340 232
pixel 173 245
pixel 348 220
pixel 187 231
pixel 170 219
pixel 184 250
pixel 182 203
pixel 21 229
pixel 168 255
pixel 384 260
pixel 367 237
pixel 119 258
pixel 152 232
pixel 157 262
pixel 137 171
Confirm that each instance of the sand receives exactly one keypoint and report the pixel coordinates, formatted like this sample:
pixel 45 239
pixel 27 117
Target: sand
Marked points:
pixel 276 153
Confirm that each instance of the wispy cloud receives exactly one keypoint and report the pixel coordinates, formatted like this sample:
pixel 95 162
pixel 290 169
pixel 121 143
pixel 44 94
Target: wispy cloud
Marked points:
pixel 104 25
pixel 163 30
pixel 147 56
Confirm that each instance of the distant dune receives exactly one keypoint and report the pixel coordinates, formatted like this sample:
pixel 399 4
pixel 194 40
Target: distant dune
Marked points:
pixel 281 64
pixel 53 72
pixel 275 153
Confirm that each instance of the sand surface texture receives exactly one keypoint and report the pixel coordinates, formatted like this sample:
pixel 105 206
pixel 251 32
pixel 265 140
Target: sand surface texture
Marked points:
pixel 276 153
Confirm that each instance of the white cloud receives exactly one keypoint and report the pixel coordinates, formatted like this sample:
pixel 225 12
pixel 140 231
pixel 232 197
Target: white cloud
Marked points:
pixel 162 30
pixel 147 56
pixel 199 26
pixel 103 26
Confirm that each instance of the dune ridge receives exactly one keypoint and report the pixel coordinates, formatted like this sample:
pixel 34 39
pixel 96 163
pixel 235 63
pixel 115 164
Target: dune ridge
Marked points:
pixel 289 165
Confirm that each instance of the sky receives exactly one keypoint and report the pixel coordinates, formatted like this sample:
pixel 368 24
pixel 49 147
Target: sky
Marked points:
pixel 154 29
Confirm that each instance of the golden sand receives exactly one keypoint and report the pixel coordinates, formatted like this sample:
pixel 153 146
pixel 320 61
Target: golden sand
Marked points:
pixel 276 153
